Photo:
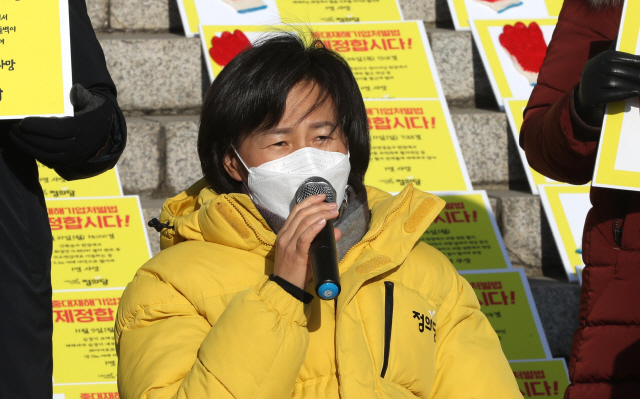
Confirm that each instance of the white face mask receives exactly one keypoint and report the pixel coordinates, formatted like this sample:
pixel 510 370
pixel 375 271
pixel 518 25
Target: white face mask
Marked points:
pixel 274 184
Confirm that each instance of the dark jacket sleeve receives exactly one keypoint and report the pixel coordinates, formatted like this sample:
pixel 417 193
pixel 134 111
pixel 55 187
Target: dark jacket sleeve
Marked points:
pixel 89 68
pixel 557 142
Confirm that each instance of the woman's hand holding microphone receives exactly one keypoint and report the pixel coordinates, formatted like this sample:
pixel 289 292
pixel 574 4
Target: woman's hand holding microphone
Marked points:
pixel 294 239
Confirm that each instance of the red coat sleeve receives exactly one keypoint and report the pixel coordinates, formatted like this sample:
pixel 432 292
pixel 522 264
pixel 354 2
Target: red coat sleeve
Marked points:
pixel 557 142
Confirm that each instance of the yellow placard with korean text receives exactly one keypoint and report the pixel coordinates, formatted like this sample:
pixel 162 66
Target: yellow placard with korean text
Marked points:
pixel 566 207
pixel 507 77
pixel 514 109
pixel 97 242
pixel 83 344
pixel 388 59
pixel 35 59
pixel 506 299
pixel 466 232
pixel 273 12
pixel 412 141
pixel 106 184
pixel 617 163
pixel 547 378
pixel 86 391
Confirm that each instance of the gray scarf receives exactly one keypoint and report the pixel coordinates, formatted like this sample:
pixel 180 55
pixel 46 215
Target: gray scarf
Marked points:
pixel 353 220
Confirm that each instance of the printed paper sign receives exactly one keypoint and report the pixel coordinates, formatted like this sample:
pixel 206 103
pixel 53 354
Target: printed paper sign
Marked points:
pixel 97 242
pixel 566 207
pixel 35 61
pixel 514 109
pixel 389 60
pixel 106 184
pixel 465 11
pixel 413 141
pixel 86 391
pixel 544 378
pixel 83 344
pixel 505 298
pixel 512 52
pixel 618 164
pixel 467 233
pixel 274 12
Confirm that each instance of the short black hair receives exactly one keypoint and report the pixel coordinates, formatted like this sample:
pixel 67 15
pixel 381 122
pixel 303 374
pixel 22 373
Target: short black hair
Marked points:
pixel 250 93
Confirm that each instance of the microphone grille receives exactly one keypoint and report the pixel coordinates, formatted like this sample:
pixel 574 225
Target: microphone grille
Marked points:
pixel 313 186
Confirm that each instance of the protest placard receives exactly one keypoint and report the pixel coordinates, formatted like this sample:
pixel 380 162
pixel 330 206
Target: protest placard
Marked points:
pixel 83 345
pixel 465 11
pixel 512 52
pixel 97 242
pixel 618 163
pixel 106 184
pixel 466 232
pixel 388 59
pixel 413 141
pixel 566 207
pixel 505 298
pixel 514 109
pixel 274 12
pixel 35 62
pixel 108 390
pixel 548 378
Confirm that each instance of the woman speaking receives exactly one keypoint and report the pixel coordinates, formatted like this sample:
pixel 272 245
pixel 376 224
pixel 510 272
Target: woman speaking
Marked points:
pixel 225 310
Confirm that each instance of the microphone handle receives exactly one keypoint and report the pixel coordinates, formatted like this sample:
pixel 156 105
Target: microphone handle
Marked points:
pixel 324 263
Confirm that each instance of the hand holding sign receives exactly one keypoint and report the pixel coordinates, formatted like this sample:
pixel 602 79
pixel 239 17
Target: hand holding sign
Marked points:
pixel 67 141
pixel 527 48
pixel 227 46
pixel 609 76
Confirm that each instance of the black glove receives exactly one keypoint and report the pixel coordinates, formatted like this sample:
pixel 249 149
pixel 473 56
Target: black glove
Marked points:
pixel 609 76
pixel 67 141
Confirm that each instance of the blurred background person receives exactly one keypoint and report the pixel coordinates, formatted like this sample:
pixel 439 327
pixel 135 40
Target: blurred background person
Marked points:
pixel 77 147
pixel 580 75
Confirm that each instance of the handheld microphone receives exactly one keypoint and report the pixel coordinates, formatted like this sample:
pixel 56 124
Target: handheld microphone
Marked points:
pixel 323 253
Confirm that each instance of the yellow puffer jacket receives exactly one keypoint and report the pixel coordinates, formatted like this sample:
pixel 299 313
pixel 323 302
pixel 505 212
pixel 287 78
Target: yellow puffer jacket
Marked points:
pixel 202 320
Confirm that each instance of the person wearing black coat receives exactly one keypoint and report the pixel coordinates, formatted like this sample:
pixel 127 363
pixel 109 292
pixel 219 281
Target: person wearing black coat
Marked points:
pixel 77 147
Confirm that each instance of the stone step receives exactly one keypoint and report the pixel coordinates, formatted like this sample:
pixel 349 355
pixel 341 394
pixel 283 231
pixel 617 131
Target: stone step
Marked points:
pixel 155 73
pixel 163 15
pixel 464 80
pixel 526 233
pixel 164 73
pixel 557 301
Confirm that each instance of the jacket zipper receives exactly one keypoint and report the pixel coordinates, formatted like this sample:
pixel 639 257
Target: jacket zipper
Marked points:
pixel 388 321
pixel 618 224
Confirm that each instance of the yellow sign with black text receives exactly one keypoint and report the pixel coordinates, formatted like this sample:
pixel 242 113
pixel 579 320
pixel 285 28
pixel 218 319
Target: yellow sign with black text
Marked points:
pixel 547 378
pixel 97 242
pixel 466 232
pixel 106 184
pixel 35 59
pixel 506 299
pixel 388 59
pixel 412 141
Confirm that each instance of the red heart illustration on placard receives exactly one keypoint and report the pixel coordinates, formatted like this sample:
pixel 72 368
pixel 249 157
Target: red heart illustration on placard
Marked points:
pixel 527 48
pixel 227 46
